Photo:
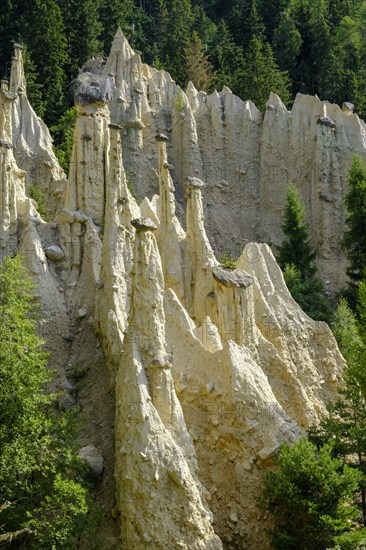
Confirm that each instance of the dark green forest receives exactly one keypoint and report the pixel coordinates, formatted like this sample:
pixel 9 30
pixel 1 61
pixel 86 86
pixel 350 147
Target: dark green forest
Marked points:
pixel 252 46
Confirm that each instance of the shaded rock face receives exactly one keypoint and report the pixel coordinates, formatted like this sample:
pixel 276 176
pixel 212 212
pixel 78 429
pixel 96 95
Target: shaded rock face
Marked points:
pixel 245 157
pixel 196 374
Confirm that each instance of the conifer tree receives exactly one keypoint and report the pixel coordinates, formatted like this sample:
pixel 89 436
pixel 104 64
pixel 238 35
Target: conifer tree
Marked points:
pixel 46 41
pixel 354 240
pixel 297 259
pixel 309 495
pixel 34 88
pixel 198 69
pixel 228 58
pixel 287 43
pixel 36 460
pixel 176 29
pixel 296 248
pixel 246 22
pixel 261 75
pixel 81 29
pixel 345 422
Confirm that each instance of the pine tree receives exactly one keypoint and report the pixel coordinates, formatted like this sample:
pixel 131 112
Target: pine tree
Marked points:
pixel 139 27
pixel 287 43
pixel 296 248
pixel 34 88
pixel 309 495
pixel 228 58
pixel 245 22
pixel 345 422
pixel 354 240
pixel 45 39
pixel 176 29
pixel 261 75
pixel 36 460
pixel 297 259
pixel 63 134
pixel 198 69
pixel 271 14
pixel 82 30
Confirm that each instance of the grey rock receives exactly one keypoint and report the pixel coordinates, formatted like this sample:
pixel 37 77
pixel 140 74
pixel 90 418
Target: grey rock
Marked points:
pixel 232 277
pixel 67 402
pixel 90 88
pixel 143 224
pixel 35 220
pixel 325 197
pixel 6 144
pixel 161 137
pixel 93 458
pixel 115 126
pixel 82 312
pixel 195 183
pixel 80 217
pixel 347 106
pixel 54 253
pixel 99 284
pixel 162 362
pixel 326 121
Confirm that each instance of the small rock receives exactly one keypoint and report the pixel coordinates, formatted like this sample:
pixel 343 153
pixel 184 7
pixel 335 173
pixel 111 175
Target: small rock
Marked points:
pixel 232 277
pixel 66 385
pixel 80 217
pixel 54 253
pixel 82 313
pixel 35 220
pixel 143 224
pixel 115 126
pixel 162 362
pixel 161 137
pixel 233 518
pixel 67 402
pixel 99 284
pixel 348 107
pixel 326 121
pixel 93 458
pixel 195 183
pixel 66 216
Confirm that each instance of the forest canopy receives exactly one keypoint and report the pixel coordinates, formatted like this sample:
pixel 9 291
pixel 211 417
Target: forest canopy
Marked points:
pixel 252 46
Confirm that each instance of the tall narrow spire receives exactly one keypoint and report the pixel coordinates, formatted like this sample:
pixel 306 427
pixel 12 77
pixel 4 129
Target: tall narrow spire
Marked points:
pixel 17 78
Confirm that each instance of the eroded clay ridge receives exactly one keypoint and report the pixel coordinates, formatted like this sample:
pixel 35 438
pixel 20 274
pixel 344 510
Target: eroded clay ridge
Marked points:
pixel 246 157
pixel 210 369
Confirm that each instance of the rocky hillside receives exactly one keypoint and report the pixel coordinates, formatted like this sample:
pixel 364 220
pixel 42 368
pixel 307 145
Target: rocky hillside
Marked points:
pixel 190 375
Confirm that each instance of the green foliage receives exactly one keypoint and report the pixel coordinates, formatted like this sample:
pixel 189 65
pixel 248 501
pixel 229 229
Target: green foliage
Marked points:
pixel 131 187
pixel 296 248
pixel 46 42
pixel 198 69
pixel 34 88
pixel 319 44
pixel 179 101
pixel 82 30
pixel 345 423
pixel 175 33
pixel 309 494
pixel 287 43
pixel 228 58
pixel 261 76
pixel 354 240
pixel 36 194
pixel 37 463
pixel 296 257
pixel 63 134
pixel 227 261
pixel 308 292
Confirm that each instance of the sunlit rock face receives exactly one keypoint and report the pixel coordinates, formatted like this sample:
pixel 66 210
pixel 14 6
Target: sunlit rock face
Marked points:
pixel 205 370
